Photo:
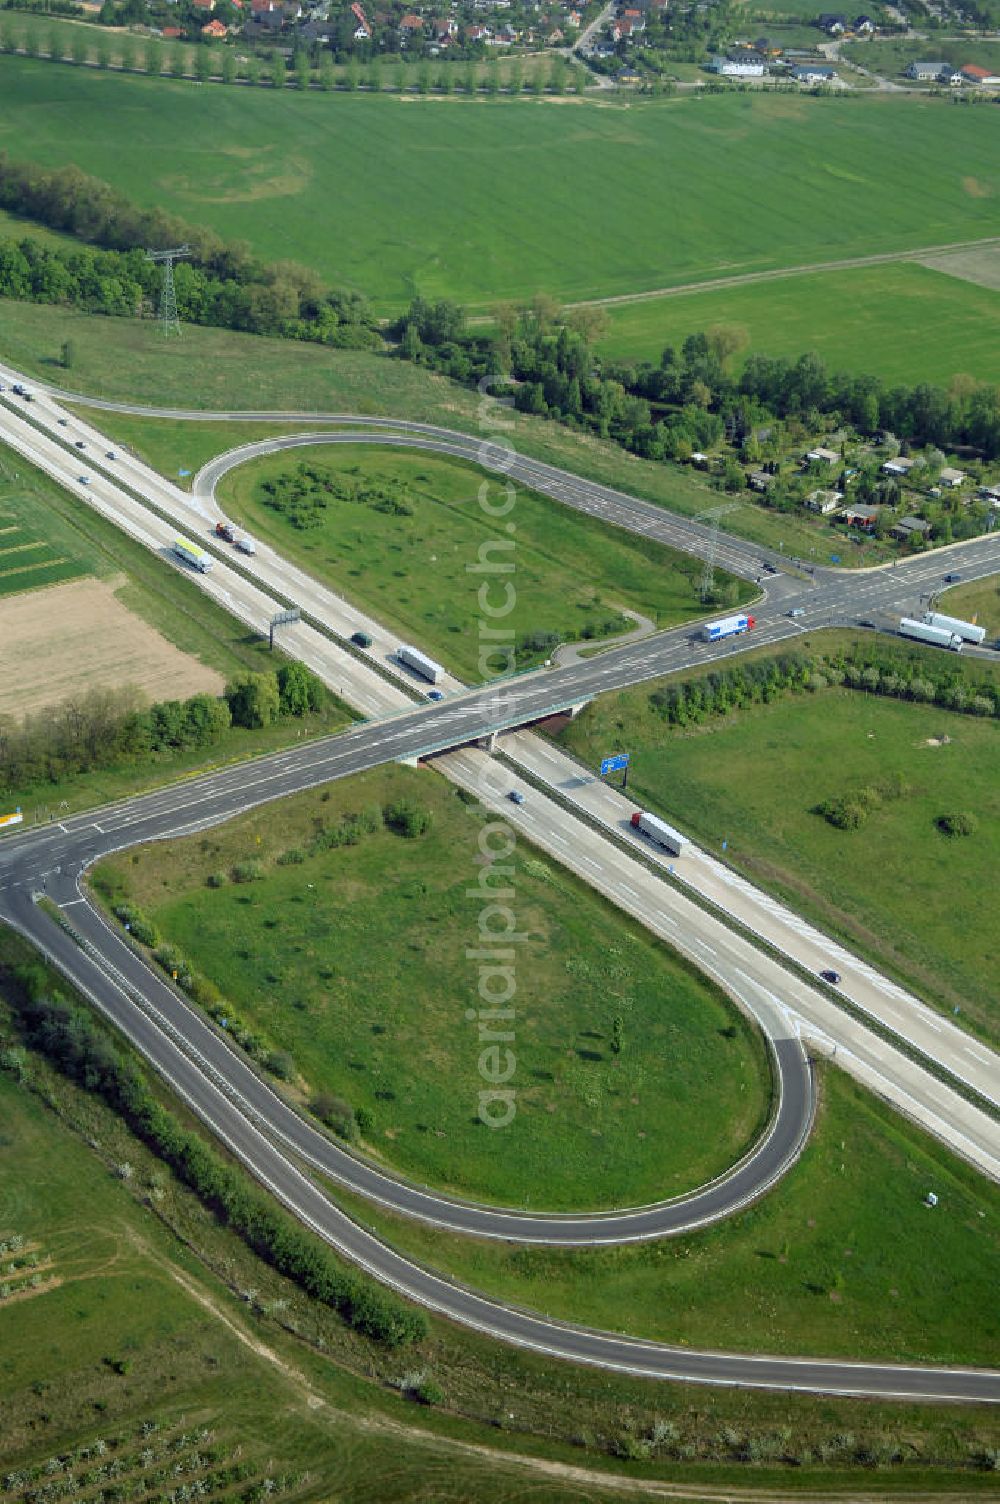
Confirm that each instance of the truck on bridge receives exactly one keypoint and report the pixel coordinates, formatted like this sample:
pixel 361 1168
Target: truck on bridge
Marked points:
pixel 729 626
pixel 658 831
pixel 940 637
pixel 967 630
pixel 419 662
pixel 193 555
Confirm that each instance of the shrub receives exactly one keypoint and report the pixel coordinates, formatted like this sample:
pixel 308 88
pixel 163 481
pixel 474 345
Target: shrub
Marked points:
pixel 216 880
pixel 293 857
pixel 406 818
pixel 247 872
pixel 281 1064
pixel 364 1120
pixel 964 823
pixel 336 1114
pixel 428 1393
pixel 135 921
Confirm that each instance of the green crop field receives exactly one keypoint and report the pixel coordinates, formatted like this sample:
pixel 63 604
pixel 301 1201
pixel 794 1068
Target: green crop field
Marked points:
pixel 904 323
pixel 841 1258
pixel 890 56
pixel 898 888
pixel 417 569
pixel 355 961
pixel 37 547
pixel 480 200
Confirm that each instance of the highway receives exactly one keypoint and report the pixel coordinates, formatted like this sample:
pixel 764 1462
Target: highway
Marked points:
pixel 246 1113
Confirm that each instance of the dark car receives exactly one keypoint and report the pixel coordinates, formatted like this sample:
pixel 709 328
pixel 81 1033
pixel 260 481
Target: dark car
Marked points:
pixel 63 422
pixel 80 444
pixel 434 694
pixel 361 639
pixel 952 579
pixel 515 796
pixel 833 977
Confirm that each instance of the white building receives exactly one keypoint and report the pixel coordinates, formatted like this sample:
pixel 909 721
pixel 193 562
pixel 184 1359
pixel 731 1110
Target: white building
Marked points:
pixel 739 67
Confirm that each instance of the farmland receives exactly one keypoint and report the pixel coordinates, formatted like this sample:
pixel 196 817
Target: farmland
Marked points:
pixel 401 534
pixel 110 647
pixel 928 914
pixel 412 227
pixel 379 1019
pixel 833 1260
pixel 903 322
pixel 35 549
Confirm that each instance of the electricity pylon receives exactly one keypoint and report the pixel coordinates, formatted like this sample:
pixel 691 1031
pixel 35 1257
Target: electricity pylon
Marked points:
pixel 168 297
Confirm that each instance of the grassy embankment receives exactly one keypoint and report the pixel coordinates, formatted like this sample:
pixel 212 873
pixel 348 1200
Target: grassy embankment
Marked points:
pixel 161 1316
pixel 854 320
pixel 411 227
pixel 979 600
pixel 415 570
pixel 355 961
pixel 168 601
pixel 898 889
pixel 213 369
pixel 842 1258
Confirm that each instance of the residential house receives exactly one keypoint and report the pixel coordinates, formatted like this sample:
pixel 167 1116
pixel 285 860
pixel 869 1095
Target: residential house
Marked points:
pixel 991 495
pixel 951 477
pixel 760 480
pixel 926 72
pixel 203 4
pixel 813 73
pixel 636 17
pixel 738 66
pixel 910 527
pixel 821 457
pixel 864 26
pixel 317 31
pixel 478 33
pixel 507 36
pixel 864 518
pixel 833 23
pixel 554 36
pixel 899 466
pixel 767 47
pixel 980 77
pixel 214 30
pixel 171 33
pixel 410 24
pixel 628 77
pixel 574 18
pixel 444 26
pixel 823 502
pixel 362 30
pixel 951 76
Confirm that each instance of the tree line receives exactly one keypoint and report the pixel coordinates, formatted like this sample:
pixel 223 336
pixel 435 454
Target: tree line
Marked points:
pixel 690 702
pixel 109 728
pixel 690 399
pixel 65 1034
pixel 221 284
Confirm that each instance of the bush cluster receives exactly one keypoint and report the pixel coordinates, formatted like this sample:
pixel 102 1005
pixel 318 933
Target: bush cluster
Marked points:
pixel 65 1034
pixel 303 493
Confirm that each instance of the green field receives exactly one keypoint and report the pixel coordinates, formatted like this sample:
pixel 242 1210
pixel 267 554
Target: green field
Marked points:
pixel 570 574
pixel 904 323
pixel 483 203
pixel 355 961
pixel 898 888
pixel 842 1258
pixel 890 56
pixel 178 448
pixel 38 547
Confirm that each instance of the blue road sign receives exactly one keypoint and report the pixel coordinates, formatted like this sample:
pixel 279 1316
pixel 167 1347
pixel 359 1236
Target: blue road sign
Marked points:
pixel 834 558
pixel 614 764
pixel 184 472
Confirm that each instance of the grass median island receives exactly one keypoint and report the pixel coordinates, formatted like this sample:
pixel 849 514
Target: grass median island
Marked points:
pixel 978 601
pixel 353 960
pixel 841 1259
pixel 407 536
pixel 898 887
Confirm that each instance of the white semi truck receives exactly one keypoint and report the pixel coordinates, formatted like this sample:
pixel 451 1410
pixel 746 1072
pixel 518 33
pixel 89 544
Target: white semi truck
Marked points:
pixel 940 637
pixel 967 630
pixel 658 831
pixel 729 626
pixel 193 555
pixel 419 662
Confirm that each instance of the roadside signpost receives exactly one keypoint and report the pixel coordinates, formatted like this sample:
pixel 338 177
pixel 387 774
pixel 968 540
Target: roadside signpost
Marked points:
pixel 283 619
pixel 616 764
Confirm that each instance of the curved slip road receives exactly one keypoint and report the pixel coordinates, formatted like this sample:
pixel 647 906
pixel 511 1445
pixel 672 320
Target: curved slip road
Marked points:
pixel 240 1120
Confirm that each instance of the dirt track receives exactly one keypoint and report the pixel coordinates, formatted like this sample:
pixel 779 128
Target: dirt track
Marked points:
pixel 68 638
